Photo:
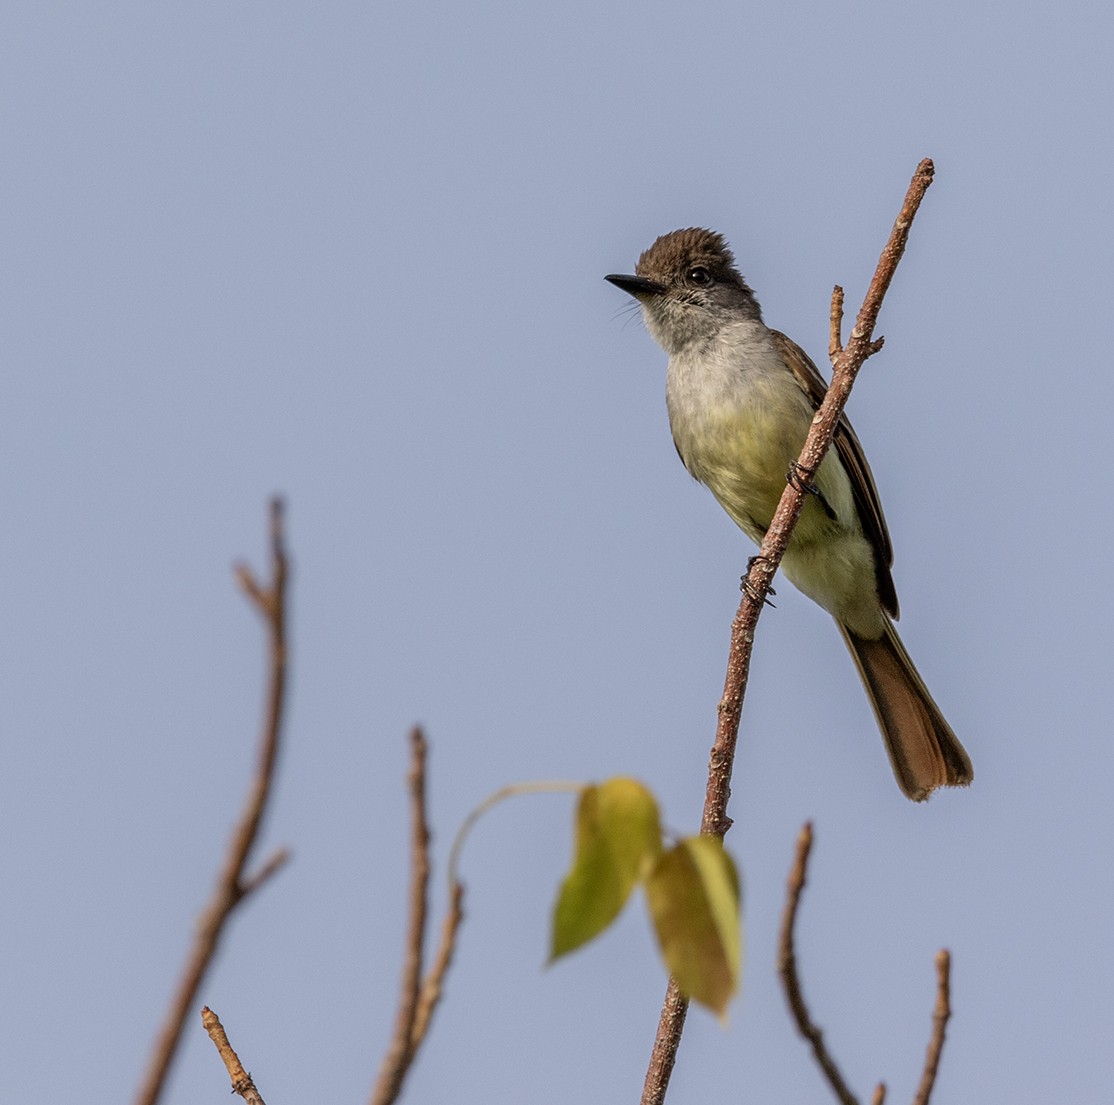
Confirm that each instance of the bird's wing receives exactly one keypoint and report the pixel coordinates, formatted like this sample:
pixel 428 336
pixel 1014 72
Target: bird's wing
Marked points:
pixel 854 462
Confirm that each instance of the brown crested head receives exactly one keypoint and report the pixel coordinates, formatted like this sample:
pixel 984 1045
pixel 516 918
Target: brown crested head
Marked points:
pixel 689 289
pixel 675 255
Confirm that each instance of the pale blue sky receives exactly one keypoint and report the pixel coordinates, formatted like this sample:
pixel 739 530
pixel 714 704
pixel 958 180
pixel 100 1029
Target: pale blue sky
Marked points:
pixel 354 254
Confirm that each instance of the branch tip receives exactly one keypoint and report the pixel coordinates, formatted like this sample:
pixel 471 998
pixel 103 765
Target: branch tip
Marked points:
pixel 241 1080
pixel 277 507
pixel 835 325
pixel 248 584
pixel 940 1016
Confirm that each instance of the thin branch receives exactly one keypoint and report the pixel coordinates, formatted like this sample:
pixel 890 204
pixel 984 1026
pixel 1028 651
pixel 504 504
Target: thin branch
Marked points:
pixel 715 821
pixel 940 1017
pixel 401 1050
pixel 787 968
pixel 279 858
pixel 232 886
pixel 667 1040
pixel 879 1097
pixel 241 1080
pixel 835 325
pixel 434 980
pixel 420 996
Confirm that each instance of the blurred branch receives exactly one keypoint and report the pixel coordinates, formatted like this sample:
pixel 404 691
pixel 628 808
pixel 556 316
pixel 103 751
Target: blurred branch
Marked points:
pixel 434 980
pixel 787 968
pixel 241 1080
pixel 846 362
pixel 401 1050
pixel 232 883
pixel 419 996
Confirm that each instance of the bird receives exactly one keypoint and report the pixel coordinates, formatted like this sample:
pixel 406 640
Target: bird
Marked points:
pixel 741 398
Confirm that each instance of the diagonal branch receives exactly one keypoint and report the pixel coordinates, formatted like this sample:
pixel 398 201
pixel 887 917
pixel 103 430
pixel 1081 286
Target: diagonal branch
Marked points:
pixel 787 968
pixel 850 359
pixel 846 364
pixel 233 885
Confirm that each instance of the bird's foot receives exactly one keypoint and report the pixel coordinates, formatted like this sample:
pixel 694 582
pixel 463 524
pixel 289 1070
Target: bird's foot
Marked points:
pixel 751 592
pixel 800 478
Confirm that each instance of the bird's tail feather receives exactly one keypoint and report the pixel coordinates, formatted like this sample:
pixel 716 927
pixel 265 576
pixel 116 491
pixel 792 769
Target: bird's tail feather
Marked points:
pixel 923 750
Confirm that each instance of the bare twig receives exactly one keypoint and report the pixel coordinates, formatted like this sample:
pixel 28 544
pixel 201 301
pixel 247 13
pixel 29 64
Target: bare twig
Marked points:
pixel 860 346
pixel 232 884
pixel 420 996
pixel 787 968
pixel 940 1017
pixel 241 1080
pixel 434 979
pixel 276 860
pixel 400 1051
pixel 835 325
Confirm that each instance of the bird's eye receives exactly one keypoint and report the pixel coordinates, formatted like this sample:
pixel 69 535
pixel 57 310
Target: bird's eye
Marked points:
pixel 700 275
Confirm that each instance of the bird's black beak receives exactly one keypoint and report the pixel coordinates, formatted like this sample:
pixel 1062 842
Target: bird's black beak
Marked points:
pixel 638 286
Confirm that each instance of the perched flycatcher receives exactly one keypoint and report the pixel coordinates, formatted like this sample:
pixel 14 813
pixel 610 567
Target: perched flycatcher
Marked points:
pixel 741 398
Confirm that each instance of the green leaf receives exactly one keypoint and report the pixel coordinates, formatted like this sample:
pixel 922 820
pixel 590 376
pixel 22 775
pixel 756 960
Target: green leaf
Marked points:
pixel 618 837
pixel 694 900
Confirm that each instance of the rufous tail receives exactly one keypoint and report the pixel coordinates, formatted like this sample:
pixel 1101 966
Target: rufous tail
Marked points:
pixel 923 750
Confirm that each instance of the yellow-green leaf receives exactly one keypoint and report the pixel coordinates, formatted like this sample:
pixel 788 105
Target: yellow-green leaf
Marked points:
pixel 618 836
pixel 693 895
